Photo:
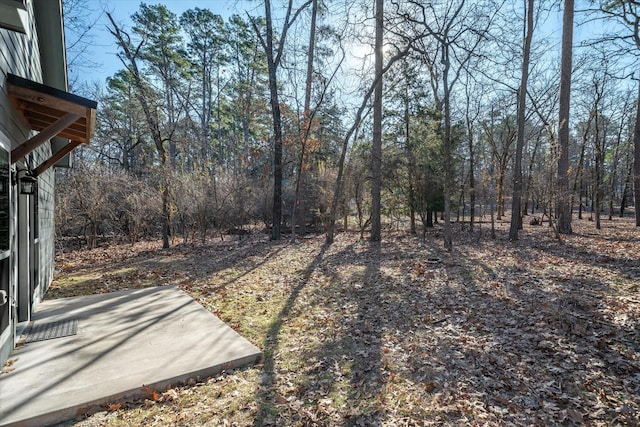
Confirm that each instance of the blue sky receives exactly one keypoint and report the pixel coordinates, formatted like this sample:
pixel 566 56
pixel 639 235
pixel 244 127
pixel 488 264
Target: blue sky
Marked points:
pixel 103 52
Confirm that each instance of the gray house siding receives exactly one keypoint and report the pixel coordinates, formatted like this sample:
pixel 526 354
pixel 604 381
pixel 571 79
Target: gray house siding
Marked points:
pixel 20 55
pixel 46 229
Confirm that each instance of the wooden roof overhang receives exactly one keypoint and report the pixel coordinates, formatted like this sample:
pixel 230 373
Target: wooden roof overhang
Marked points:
pixel 52 112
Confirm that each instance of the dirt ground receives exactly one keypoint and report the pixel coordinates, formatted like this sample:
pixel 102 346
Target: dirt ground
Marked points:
pixel 533 332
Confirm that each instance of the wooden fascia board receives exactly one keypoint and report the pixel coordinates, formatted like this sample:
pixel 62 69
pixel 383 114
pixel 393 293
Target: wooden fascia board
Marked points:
pixel 39 98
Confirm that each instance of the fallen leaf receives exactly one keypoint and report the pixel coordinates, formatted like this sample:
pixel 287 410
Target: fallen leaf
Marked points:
pixel 114 406
pixel 152 393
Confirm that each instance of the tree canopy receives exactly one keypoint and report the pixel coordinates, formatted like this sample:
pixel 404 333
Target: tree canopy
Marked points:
pixel 267 119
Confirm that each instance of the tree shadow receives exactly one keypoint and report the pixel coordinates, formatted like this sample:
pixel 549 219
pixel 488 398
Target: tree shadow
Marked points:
pixel 551 347
pixel 401 333
pixel 350 368
pixel 265 395
pixel 364 336
pixel 471 343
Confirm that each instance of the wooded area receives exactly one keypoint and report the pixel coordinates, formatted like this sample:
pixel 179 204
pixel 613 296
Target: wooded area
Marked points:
pixel 268 122
pixel 420 212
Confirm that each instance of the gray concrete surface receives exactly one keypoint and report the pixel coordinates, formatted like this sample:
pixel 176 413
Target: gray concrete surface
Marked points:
pixel 153 336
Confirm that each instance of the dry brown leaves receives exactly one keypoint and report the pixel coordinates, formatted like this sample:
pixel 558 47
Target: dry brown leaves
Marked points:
pixel 536 332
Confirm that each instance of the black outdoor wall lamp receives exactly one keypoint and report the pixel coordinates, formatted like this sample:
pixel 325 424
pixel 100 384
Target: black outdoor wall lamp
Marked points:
pixel 28 184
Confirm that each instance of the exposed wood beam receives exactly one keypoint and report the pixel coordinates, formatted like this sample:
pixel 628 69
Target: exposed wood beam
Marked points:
pixel 54 159
pixel 45 134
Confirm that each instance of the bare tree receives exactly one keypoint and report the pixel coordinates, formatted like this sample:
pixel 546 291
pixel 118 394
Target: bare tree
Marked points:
pixel 376 150
pixel 455 43
pixel 599 143
pixel 516 214
pixel 307 116
pixel 274 56
pixel 471 115
pixel 79 19
pixel 347 138
pixel 130 57
pixel 501 132
pixel 622 139
pixel 636 159
pixel 627 13
pixel 563 203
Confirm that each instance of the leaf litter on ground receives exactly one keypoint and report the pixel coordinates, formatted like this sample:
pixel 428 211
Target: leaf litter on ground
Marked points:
pixel 533 332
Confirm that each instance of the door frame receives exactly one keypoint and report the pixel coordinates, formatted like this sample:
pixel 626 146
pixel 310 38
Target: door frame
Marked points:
pixel 8 260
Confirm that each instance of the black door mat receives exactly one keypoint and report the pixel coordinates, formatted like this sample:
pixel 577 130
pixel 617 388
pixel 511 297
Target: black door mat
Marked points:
pixel 51 330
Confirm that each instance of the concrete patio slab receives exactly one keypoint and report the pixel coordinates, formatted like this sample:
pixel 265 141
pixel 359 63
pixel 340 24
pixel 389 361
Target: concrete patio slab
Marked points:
pixel 153 336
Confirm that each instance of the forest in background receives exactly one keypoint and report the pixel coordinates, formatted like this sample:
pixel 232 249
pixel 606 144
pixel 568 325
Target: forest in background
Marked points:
pixel 315 114
pixel 405 331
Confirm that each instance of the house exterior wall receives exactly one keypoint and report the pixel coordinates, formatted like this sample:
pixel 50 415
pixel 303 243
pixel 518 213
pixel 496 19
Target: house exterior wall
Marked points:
pixel 46 226
pixel 20 55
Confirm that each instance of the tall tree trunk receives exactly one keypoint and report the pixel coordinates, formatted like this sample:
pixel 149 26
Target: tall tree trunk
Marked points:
pixel 613 176
pixel 501 179
pixel 625 191
pixel 448 150
pixel 347 138
pixel 597 183
pixel 563 205
pixel 599 142
pixel 376 150
pixel 472 179
pixel 204 117
pixel 636 161
pixel 516 215
pixel 528 191
pixel 151 118
pixel 581 192
pixel 307 119
pixel 580 169
pixel 222 152
pixel 411 161
pixel 310 57
pixel 273 59
pixel 276 212
pixel 165 216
